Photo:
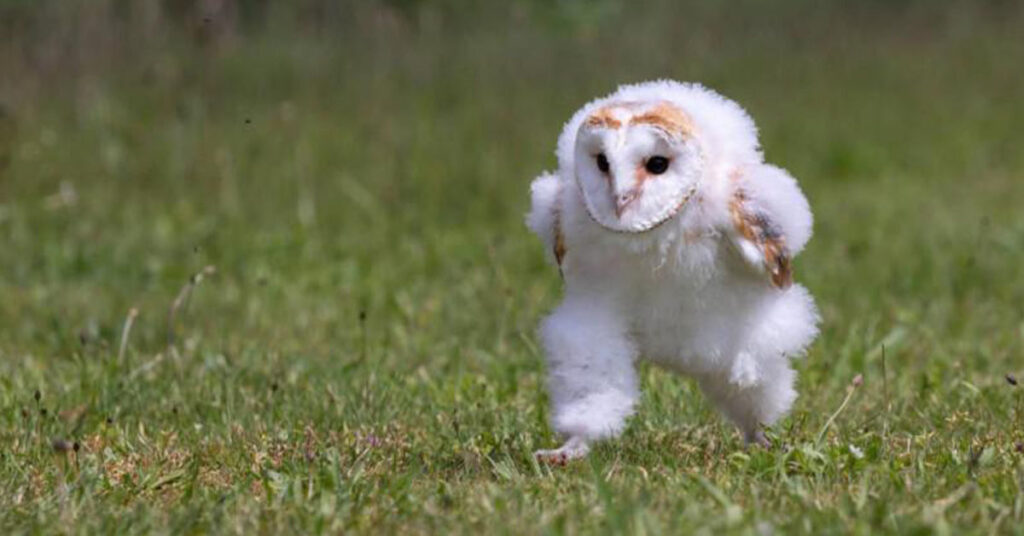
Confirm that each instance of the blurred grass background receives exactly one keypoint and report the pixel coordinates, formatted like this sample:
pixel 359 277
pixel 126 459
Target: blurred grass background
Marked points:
pixel 364 359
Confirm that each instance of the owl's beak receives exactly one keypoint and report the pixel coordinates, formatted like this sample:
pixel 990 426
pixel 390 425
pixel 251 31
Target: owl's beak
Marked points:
pixel 623 200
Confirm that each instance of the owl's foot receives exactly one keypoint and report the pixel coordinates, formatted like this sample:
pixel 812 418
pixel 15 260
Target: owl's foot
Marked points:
pixel 573 449
pixel 757 438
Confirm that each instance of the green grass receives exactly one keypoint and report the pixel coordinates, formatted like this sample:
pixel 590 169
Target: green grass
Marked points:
pixel 363 358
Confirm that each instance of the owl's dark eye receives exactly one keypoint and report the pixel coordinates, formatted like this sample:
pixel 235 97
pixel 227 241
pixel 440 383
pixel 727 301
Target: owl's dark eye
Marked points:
pixel 602 163
pixel 656 165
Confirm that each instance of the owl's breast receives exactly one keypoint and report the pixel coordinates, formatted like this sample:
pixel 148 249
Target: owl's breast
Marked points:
pixel 685 253
pixel 693 321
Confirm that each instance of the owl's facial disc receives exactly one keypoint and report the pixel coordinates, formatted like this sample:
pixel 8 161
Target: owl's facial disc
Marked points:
pixel 636 164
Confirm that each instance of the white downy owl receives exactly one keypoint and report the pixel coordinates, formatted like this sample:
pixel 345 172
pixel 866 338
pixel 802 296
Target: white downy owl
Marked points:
pixel 674 239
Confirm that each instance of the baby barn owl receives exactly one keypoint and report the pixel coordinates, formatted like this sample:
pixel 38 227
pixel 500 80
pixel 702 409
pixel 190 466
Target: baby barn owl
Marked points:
pixel 674 239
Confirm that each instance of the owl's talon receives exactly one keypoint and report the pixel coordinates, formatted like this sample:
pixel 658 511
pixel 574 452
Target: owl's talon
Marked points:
pixel 758 439
pixel 573 449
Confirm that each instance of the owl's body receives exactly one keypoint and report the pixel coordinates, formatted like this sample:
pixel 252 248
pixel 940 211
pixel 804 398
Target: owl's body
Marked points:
pixel 674 240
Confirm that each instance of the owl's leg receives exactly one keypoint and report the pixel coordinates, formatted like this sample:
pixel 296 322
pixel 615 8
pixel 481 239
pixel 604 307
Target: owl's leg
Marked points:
pixel 590 374
pixel 758 387
pixel 753 405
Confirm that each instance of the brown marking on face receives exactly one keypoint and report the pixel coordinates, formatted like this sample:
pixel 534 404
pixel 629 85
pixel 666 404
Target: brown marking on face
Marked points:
pixel 666 117
pixel 603 118
pixel 759 229
pixel 641 176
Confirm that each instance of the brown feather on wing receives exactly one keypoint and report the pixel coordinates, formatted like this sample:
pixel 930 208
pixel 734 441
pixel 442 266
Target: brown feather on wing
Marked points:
pixel 559 248
pixel 758 228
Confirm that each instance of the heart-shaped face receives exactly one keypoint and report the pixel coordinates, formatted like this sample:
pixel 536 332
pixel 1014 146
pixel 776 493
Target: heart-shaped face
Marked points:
pixel 636 164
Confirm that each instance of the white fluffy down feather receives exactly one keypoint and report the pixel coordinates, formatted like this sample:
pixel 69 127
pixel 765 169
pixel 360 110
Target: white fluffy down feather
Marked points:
pixel 674 239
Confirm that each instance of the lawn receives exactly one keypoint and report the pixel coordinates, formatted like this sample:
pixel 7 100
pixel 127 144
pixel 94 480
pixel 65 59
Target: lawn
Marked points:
pixel 269 274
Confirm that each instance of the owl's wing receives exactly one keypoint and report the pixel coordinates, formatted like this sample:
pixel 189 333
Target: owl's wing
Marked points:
pixel 771 221
pixel 544 216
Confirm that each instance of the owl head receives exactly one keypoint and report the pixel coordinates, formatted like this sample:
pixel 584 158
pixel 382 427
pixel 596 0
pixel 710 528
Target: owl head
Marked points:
pixel 641 154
